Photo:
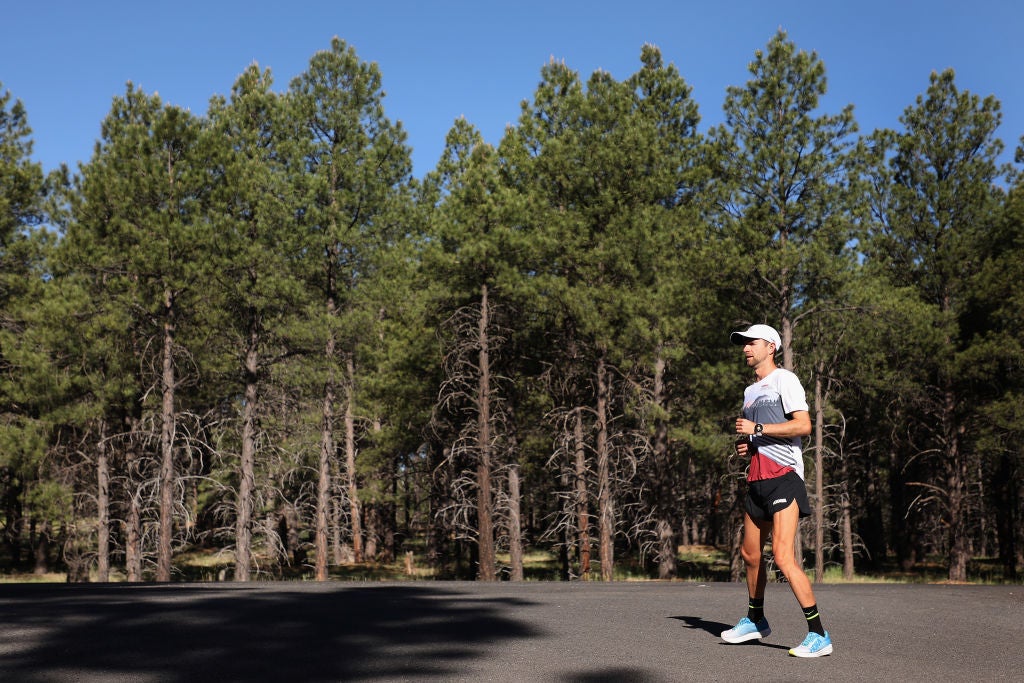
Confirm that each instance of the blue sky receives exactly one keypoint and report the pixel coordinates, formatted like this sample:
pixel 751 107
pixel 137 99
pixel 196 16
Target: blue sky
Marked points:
pixel 66 59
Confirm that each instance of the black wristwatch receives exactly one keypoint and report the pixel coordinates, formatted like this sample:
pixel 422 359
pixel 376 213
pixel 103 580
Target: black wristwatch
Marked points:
pixel 758 429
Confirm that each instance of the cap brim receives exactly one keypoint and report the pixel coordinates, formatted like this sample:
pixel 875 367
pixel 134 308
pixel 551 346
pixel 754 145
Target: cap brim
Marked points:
pixel 739 338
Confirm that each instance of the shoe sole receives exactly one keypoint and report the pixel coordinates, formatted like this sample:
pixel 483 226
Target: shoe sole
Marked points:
pixel 753 635
pixel 827 650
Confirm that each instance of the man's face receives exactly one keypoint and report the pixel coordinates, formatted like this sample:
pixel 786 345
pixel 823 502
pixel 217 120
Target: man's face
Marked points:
pixel 756 351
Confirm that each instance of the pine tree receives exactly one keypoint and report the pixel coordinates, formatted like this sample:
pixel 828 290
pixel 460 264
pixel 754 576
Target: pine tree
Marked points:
pixel 22 193
pixel 935 202
pixel 356 164
pixel 478 261
pixel 253 264
pixel 610 170
pixel 669 295
pixel 138 227
pixel 996 363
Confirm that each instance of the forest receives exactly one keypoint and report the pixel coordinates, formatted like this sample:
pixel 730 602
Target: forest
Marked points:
pixel 254 336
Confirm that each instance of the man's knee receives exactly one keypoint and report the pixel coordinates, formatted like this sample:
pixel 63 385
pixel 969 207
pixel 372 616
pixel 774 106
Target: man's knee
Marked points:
pixel 750 556
pixel 786 567
pixel 787 564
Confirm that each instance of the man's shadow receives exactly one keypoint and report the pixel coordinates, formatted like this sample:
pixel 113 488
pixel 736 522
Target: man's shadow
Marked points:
pixel 715 628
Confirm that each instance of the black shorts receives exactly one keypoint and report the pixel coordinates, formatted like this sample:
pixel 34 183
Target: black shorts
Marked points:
pixel 768 496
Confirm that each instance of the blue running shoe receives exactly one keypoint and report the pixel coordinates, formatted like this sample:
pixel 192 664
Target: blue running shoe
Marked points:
pixel 747 630
pixel 814 645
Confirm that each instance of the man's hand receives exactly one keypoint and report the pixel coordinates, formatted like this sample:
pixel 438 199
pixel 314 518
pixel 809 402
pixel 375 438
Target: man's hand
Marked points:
pixel 744 426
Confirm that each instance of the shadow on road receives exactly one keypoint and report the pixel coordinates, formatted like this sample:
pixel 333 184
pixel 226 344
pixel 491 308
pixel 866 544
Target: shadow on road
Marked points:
pixel 715 628
pixel 180 633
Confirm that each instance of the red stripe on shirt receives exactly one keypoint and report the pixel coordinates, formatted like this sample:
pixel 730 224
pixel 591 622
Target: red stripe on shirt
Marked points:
pixel 763 467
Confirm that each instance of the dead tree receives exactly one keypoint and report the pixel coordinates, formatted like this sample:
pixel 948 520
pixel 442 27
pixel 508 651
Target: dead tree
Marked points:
pixel 471 393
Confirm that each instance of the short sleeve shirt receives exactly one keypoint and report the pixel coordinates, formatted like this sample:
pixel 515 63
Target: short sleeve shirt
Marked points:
pixel 769 401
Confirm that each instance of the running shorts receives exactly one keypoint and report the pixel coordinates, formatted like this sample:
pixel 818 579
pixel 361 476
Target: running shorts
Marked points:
pixel 768 496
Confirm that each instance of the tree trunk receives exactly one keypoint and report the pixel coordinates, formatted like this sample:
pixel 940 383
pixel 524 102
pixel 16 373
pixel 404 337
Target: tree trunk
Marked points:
pixel 103 506
pixel 515 533
pixel 133 516
pixel 663 486
pixel 847 531
pixel 606 513
pixel 786 332
pixel 485 502
pixel 391 509
pixel 327 450
pixel 292 542
pixel 819 485
pixel 40 547
pixel 133 534
pixel 582 511
pixel 355 507
pixel 323 487
pixel 247 476
pixel 340 551
pixel 956 487
pixel 388 531
pixel 373 532
pixel 167 437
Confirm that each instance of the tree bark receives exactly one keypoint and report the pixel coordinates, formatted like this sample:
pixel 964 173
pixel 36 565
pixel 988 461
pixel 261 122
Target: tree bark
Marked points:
pixel 663 486
pixel 355 508
pixel 847 531
pixel 40 536
pixel 323 487
pixel 103 506
pixel 786 332
pixel 606 513
pixel 582 509
pixel 373 531
pixel 819 485
pixel 515 527
pixel 167 436
pixel 485 502
pixel 956 485
pixel 133 533
pixel 247 476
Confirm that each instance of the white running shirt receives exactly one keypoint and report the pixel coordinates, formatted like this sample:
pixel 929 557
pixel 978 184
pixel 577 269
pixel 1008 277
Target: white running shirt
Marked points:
pixel 769 401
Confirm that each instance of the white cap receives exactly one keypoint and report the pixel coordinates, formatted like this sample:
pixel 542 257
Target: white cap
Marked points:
pixel 766 332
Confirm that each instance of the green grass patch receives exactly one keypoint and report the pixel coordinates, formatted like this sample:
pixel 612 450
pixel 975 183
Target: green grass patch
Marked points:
pixel 694 563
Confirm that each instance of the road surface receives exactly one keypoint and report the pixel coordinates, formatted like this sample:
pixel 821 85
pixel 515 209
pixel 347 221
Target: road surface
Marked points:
pixel 460 631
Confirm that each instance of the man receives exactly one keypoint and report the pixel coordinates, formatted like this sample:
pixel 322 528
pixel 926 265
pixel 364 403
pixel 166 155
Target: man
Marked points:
pixel 775 416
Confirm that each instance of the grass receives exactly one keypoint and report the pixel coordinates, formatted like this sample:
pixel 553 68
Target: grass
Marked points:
pixel 25 577
pixel 695 563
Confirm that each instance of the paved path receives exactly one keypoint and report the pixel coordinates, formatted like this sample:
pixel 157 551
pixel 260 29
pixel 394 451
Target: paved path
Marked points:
pixel 437 631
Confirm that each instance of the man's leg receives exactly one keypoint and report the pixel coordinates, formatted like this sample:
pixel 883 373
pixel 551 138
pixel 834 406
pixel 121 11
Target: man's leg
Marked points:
pixel 818 642
pixel 755 535
pixel 785 523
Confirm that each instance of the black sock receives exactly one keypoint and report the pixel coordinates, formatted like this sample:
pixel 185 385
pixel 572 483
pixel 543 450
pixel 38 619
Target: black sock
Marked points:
pixel 813 620
pixel 755 609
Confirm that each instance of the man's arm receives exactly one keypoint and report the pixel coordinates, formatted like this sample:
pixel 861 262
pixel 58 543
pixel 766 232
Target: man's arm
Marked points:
pixel 798 424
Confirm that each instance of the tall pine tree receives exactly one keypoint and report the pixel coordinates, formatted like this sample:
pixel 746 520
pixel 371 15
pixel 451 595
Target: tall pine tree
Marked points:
pixel 936 200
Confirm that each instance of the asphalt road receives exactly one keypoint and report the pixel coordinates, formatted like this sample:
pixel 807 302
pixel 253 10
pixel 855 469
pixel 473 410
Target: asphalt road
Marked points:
pixel 438 631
